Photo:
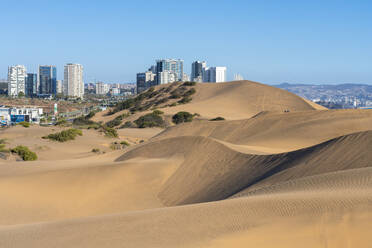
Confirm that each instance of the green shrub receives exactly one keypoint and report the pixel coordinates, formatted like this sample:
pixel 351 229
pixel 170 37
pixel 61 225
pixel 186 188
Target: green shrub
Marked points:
pixel 110 132
pixel 64 135
pixel 93 126
pixel 113 123
pixel 189 84
pixel 3 149
pixel 25 153
pixel 150 120
pixel 128 124
pixel 96 150
pixel 157 112
pixel 124 143
pixel 189 92
pixel 82 121
pixel 24 124
pixel 117 121
pixel 185 100
pixel 218 119
pixel 181 117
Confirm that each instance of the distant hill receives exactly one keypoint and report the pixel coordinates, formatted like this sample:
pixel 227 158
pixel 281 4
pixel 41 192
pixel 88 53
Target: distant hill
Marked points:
pixel 333 96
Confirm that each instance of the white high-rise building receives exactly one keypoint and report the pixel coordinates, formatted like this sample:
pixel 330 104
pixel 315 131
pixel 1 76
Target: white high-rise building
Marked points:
pixel 73 80
pixel 59 86
pixel 16 80
pixel 214 74
pixel 102 88
pixel 166 77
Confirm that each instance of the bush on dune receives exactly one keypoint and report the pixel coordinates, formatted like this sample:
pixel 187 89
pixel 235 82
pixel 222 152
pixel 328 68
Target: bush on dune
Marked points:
pixel 189 83
pixel 65 135
pixel 150 120
pixel 182 117
pixel 110 132
pixel 128 124
pixel 117 121
pixel 218 119
pixel 25 153
pixel 84 120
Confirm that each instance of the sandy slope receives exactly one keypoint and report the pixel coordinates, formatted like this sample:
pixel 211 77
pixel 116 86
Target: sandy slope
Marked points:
pixel 51 150
pixel 245 99
pixel 297 179
pixel 85 188
pixel 212 171
pixel 279 132
pixel 327 216
pixel 232 100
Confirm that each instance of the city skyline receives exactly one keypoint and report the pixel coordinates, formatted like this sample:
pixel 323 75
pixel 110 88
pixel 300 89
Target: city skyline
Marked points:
pixel 271 42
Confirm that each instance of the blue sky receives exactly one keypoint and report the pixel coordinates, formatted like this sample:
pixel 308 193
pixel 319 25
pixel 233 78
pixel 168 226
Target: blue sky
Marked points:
pixel 266 41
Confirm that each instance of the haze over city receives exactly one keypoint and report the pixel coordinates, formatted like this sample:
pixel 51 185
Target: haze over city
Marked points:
pixel 271 41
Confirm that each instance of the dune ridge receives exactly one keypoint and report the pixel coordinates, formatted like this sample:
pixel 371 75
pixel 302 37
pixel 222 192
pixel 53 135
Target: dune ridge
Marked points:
pixel 212 171
pixel 280 171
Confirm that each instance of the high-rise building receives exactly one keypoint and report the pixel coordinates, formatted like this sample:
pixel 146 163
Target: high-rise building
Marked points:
pixel 16 80
pixel 47 80
pixel 59 86
pixel 153 69
pixel 197 68
pixel 31 84
pixel 102 88
pixel 214 74
pixel 145 80
pixel 172 65
pixel 73 80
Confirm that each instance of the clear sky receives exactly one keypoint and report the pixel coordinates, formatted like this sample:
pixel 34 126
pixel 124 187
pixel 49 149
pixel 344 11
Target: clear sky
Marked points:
pixel 267 41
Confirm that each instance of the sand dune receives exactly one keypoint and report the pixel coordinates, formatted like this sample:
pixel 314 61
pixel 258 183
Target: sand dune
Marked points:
pixel 316 217
pixel 279 132
pixel 245 99
pixel 233 101
pixel 51 150
pixel 262 178
pixel 82 190
pixel 212 171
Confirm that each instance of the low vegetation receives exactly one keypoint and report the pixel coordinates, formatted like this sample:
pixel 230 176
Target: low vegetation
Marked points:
pixel 84 120
pixel 110 132
pixel 2 146
pixel 218 119
pixel 117 121
pixel 182 117
pixel 128 124
pixel 124 143
pixel 185 100
pixel 62 122
pixel 152 98
pixel 24 153
pixel 150 120
pixel 96 150
pixel 119 145
pixel 189 84
pixel 24 124
pixel 65 135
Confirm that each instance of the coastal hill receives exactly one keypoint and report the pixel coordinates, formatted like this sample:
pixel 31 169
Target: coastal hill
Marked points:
pixel 232 100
